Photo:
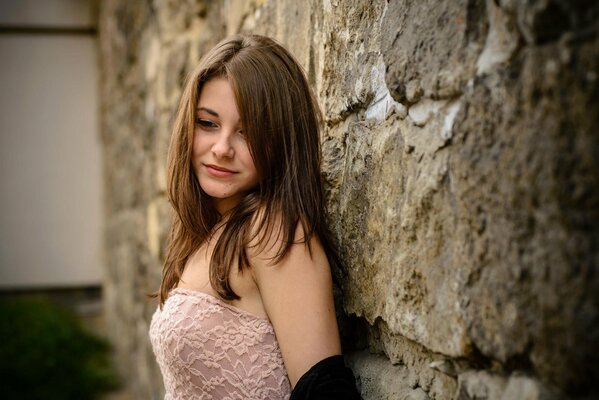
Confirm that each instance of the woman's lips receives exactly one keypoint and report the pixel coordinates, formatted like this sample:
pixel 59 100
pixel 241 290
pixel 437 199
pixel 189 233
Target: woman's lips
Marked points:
pixel 218 171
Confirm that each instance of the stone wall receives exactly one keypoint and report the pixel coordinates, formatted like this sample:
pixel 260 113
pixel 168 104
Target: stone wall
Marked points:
pixel 462 173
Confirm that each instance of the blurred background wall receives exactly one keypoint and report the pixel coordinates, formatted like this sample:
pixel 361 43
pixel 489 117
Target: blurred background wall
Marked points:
pixel 462 171
pixel 51 217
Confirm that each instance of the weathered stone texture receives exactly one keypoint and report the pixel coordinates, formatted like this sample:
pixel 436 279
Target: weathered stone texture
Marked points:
pixel 461 162
pixel 430 47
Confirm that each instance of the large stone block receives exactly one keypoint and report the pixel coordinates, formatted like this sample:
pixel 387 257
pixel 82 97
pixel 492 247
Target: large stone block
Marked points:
pixel 347 51
pixel 377 379
pixel 432 372
pixel 525 177
pixel 431 47
pixel 482 385
pixel 400 259
pixel 129 183
pixel 173 17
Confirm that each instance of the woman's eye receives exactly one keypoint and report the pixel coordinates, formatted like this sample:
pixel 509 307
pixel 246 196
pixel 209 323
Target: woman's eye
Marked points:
pixel 204 123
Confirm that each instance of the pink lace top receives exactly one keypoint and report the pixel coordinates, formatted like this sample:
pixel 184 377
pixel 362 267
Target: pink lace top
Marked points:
pixel 209 349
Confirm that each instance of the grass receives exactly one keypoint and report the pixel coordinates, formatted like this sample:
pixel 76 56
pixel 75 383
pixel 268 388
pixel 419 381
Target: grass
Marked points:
pixel 45 353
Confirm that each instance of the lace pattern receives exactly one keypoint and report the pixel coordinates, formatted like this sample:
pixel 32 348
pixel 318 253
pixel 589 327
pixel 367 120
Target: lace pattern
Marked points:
pixel 208 349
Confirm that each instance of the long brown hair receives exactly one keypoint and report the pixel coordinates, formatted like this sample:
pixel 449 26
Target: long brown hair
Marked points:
pixel 281 120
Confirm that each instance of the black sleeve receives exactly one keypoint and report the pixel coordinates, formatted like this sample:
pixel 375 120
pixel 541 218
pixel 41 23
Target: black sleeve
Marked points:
pixel 326 380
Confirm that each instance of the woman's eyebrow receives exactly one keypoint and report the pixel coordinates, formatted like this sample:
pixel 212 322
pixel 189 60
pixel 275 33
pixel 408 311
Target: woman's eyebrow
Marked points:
pixel 209 111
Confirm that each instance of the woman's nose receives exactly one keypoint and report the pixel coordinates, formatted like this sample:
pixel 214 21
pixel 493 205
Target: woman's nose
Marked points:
pixel 222 148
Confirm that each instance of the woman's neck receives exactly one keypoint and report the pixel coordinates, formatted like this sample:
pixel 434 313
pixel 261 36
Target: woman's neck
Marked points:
pixel 223 206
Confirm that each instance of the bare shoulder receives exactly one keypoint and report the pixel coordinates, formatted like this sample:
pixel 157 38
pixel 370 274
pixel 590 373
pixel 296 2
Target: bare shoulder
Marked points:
pixel 305 258
pixel 297 296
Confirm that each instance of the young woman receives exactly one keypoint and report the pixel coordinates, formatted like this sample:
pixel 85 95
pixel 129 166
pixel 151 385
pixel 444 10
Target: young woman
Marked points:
pixel 246 306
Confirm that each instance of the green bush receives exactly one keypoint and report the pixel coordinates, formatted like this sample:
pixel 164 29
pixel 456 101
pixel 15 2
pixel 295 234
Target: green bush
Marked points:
pixel 46 354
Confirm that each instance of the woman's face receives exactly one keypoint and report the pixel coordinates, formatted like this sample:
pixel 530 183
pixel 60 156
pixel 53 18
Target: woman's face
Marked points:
pixel 221 158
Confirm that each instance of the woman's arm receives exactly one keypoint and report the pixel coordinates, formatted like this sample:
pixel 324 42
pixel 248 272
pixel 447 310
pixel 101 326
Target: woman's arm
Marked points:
pixel 298 298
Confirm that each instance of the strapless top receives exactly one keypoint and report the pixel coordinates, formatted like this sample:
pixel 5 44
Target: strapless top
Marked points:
pixel 209 349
